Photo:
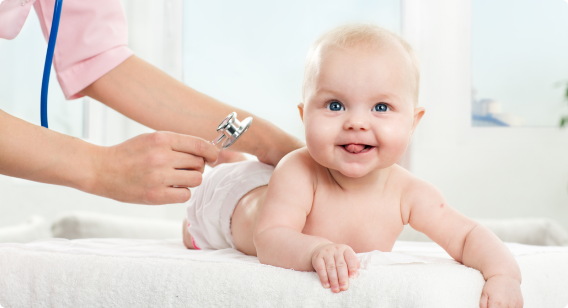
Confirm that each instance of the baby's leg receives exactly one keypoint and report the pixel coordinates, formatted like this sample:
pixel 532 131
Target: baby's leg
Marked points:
pixel 186 236
pixel 245 218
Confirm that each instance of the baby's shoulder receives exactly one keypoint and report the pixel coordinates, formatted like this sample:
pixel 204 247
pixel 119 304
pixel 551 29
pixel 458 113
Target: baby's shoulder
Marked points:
pixel 297 163
pixel 408 183
pixel 416 192
pixel 293 182
pixel 298 159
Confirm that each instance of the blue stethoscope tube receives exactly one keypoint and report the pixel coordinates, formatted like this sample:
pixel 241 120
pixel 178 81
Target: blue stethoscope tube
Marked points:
pixel 49 60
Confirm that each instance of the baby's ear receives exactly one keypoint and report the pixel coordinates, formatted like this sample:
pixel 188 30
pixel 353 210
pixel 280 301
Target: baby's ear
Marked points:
pixel 418 113
pixel 301 109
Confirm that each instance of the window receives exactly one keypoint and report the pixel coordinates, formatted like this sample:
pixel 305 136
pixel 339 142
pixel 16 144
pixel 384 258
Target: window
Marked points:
pixel 250 54
pixel 21 64
pixel 519 62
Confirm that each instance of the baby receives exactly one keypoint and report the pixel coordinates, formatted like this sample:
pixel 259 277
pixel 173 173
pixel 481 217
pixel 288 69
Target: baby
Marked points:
pixel 344 193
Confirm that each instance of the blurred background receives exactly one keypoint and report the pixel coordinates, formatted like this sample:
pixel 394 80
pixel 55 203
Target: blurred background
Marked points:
pixel 494 82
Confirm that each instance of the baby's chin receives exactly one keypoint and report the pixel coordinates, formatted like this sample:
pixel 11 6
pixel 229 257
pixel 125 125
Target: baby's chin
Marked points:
pixel 358 169
pixel 354 170
pixel 350 169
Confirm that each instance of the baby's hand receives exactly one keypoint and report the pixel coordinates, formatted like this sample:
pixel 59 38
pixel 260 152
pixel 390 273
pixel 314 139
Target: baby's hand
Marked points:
pixel 335 264
pixel 501 291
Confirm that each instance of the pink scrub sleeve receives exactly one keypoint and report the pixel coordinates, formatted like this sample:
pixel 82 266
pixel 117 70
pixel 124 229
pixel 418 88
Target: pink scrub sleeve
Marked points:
pixel 13 14
pixel 91 41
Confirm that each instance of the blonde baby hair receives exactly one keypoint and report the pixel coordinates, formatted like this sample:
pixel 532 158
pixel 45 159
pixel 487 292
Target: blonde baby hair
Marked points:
pixel 359 35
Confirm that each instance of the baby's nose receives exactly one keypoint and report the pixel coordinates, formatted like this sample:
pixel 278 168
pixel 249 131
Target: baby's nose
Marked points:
pixel 357 123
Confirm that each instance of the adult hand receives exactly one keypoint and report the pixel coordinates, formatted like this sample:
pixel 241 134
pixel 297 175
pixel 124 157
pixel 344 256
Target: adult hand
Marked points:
pixel 152 168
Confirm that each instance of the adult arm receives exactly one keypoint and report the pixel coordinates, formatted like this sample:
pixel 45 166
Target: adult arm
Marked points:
pixel 92 58
pixel 147 95
pixel 143 170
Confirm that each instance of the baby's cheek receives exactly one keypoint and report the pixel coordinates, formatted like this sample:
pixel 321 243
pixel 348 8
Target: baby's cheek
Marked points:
pixel 319 130
pixel 314 137
pixel 393 143
pixel 318 145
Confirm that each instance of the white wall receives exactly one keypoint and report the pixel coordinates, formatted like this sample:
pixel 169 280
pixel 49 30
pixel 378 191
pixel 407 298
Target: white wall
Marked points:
pixel 482 171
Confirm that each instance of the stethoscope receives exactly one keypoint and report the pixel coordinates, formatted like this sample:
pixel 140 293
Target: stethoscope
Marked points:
pixel 230 128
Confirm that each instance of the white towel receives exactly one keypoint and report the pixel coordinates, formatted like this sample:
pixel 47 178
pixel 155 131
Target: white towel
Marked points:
pixel 153 273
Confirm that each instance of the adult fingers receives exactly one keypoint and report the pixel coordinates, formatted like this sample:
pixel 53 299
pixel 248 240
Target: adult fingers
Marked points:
pixel 321 270
pixel 342 271
pixel 195 146
pixel 183 178
pixel 352 262
pixel 188 162
pixel 331 272
pixel 178 195
pixel 167 195
pixel 227 156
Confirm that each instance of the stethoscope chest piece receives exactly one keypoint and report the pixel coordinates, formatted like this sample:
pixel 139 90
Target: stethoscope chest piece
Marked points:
pixel 231 129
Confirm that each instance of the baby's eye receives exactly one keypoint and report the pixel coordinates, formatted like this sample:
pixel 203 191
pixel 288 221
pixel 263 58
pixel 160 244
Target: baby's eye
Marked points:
pixel 381 107
pixel 335 106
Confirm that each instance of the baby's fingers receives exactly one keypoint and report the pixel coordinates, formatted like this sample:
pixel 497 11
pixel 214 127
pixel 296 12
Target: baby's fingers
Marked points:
pixel 483 300
pixel 321 270
pixel 342 271
pixel 352 262
pixel 331 272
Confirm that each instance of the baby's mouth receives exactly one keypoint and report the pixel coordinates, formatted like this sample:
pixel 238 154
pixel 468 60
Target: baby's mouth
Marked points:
pixel 355 148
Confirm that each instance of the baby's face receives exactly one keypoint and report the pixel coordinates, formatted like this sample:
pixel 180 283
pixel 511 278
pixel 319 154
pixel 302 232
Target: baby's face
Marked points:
pixel 359 113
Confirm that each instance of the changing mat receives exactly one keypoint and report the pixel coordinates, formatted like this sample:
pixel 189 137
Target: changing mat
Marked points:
pixel 162 273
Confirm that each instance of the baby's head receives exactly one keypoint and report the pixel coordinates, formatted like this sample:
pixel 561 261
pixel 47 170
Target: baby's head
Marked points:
pixel 360 93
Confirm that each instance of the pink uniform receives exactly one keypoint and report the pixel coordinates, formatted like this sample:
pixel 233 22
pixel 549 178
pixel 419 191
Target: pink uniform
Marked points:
pixel 91 40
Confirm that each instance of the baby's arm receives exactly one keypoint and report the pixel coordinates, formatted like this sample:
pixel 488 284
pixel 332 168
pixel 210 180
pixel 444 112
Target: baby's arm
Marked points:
pixel 468 242
pixel 278 236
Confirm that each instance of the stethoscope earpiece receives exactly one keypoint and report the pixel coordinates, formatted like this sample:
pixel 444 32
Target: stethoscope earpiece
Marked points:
pixel 231 129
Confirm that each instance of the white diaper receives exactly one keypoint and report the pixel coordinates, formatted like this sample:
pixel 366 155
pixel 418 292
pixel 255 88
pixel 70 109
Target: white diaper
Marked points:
pixel 212 204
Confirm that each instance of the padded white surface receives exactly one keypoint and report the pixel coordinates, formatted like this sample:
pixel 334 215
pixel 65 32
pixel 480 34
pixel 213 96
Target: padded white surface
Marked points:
pixel 34 228
pixel 76 225
pixel 162 273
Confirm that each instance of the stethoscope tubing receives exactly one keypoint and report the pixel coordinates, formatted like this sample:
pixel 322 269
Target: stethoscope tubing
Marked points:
pixel 49 60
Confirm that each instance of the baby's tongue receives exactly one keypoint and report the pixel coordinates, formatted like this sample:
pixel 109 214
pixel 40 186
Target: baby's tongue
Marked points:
pixel 355 148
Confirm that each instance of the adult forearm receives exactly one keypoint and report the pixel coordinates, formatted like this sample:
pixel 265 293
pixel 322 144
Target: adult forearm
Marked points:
pixel 283 247
pixel 484 251
pixel 148 169
pixel 147 95
pixel 35 153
